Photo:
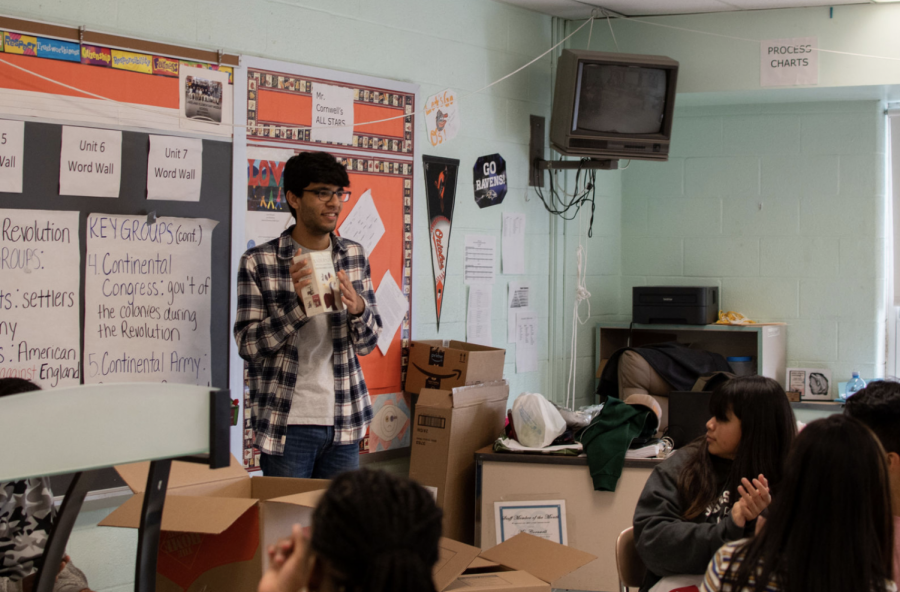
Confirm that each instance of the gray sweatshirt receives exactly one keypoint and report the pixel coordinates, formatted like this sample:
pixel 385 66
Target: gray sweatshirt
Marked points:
pixel 668 544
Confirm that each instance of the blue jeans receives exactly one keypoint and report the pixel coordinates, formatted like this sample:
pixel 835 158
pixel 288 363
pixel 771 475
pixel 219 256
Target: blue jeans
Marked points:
pixel 310 453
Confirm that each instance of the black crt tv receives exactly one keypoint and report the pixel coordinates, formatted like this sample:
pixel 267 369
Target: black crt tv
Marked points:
pixel 613 105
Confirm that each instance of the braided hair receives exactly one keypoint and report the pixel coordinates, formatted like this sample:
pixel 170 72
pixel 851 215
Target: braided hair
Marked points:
pixel 378 533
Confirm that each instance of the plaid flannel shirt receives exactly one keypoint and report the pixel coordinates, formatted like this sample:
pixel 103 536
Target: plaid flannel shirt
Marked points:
pixel 269 313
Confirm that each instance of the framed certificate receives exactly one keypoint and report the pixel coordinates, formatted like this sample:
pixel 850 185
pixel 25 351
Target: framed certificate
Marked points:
pixel 545 519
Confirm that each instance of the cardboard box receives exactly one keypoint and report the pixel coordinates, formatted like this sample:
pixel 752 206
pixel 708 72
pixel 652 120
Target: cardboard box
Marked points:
pixel 323 294
pixel 445 365
pixel 449 426
pixel 524 563
pixel 216 523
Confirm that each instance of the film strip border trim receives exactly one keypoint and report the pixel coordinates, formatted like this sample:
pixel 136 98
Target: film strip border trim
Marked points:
pixel 272 131
pixel 104 57
pixel 300 85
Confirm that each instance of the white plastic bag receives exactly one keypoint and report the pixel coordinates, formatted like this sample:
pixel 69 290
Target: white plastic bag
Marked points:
pixel 536 420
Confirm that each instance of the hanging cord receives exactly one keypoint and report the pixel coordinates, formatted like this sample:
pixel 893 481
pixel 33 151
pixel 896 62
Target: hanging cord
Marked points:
pixel 611 32
pixel 561 204
pixel 581 295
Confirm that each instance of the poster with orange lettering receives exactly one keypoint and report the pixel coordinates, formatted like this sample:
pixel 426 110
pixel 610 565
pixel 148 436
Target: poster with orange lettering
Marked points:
pixel 440 186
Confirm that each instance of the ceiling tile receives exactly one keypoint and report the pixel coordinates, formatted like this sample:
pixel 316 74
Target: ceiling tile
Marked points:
pixel 648 7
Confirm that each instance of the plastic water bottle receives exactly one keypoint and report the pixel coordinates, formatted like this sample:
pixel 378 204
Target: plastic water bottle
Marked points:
pixel 856 384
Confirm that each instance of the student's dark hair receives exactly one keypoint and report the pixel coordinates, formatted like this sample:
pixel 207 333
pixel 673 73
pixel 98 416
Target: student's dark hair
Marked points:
pixel 878 406
pixel 378 533
pixel 15 386
pixel 306 168
pixel 830 527
pixel 767 430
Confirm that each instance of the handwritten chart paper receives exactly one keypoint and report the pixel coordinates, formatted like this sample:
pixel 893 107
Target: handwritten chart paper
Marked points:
pixel 90 162
pixel 513 244
pixel 478 315
pixel 363 224
pixel 147 300
pixel 39 297
pixel 12 146
pixel 392 307
pixel 544 519
pixel 174 168
pixel 480 254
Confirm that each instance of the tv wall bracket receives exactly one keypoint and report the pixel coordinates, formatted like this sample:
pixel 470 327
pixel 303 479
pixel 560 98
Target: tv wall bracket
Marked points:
pixel 537 163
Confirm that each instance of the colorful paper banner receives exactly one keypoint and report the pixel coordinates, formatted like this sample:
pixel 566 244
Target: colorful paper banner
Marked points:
pixel 96 56
pixel 165 66
pixel 58 50
pixel 20 44
pixel 133 62
pixel 440 187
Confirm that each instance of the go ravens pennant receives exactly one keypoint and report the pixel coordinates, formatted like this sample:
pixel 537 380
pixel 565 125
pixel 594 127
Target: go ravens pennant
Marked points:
pixel 440 187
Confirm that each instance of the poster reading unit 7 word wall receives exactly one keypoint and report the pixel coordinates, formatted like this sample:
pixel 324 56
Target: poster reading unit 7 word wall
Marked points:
pixel 39 297
pixel 147 300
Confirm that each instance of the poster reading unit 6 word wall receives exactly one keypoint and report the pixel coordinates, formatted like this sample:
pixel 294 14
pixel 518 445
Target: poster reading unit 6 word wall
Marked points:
pixel 39 297
pixel 147 300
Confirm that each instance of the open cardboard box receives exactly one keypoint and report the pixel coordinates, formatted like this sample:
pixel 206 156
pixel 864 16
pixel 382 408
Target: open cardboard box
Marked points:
pixel 216 523
pixel 438 364
pixel 524 563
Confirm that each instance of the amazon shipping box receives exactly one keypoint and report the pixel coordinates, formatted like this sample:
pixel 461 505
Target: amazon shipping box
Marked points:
pixel 438 364
pixel 449 426
pixel 216 524
pixel 524 563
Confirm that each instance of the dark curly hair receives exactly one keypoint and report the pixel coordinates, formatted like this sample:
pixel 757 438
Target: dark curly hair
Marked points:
pixel 378 532
pixel 878 406
pixel 306 168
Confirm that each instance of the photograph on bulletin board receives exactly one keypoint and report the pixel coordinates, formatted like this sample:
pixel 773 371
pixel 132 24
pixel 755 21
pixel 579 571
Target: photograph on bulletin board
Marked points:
pixel 296 109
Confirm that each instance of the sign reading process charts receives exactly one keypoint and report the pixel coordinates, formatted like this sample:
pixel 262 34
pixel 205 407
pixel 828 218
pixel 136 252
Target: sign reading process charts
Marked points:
pixel 789 62
pixel 147 300
pixel 39 297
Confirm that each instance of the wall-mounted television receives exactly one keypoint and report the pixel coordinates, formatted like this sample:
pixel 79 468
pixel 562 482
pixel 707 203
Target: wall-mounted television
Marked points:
pixel 613 105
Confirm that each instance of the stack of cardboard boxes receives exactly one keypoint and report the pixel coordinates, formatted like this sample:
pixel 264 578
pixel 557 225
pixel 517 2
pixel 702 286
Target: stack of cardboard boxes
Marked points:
pixel 461 408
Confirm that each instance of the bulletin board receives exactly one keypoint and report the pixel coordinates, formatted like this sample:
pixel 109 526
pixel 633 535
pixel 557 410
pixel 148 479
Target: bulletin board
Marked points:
pixel 379 159
pixel 136 92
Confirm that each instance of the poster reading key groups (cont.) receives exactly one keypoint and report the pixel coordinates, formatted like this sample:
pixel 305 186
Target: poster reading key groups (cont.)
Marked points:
pixel 39 297
pixel 147 300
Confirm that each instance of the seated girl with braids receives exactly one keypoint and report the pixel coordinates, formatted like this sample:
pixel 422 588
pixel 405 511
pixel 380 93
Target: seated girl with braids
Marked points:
pixel 371 532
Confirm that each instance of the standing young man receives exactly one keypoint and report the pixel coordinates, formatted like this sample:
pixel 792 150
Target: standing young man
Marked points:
pixel 310 405
pixel 878 406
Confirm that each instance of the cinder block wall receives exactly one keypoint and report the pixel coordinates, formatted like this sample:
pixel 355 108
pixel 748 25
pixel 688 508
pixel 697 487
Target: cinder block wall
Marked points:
pixel 782 207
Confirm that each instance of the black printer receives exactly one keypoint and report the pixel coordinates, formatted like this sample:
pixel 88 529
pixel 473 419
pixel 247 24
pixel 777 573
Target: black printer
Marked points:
pixel 675 305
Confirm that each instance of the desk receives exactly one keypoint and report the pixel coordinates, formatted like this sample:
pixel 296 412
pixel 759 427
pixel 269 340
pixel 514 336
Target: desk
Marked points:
pixel 593 518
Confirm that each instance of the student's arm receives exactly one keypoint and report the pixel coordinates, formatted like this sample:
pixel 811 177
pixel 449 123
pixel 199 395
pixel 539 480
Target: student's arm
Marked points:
pixel 258 333
pixel 668 544
pixel 365 328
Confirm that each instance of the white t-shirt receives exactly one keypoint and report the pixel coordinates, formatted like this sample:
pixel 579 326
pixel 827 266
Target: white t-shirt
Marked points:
pixel 313 400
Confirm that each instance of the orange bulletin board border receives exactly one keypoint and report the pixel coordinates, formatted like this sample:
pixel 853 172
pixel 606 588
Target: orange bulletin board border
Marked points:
pixel 381 158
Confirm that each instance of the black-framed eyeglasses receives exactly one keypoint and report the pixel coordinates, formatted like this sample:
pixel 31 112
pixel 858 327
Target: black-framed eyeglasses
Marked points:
pixel 326 194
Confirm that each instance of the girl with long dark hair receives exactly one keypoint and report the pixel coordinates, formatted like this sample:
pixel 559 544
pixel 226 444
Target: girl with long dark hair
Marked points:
pixel 829 528
pixel 371 532
pixel 711 492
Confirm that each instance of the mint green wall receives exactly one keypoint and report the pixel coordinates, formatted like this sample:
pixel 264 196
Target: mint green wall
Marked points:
pixel 781 207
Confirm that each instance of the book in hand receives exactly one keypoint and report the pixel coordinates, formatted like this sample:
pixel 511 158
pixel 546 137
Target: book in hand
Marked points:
pixel 323 294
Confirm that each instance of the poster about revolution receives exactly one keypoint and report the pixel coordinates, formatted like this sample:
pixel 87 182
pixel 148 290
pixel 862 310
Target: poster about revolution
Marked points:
pixel 440 186
pixel 40 263
pixel 147 300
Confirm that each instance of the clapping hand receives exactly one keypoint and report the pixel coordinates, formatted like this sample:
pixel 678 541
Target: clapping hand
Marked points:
pixel 755 498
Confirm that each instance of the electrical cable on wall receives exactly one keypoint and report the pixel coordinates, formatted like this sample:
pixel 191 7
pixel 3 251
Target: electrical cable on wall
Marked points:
pixel 560 206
